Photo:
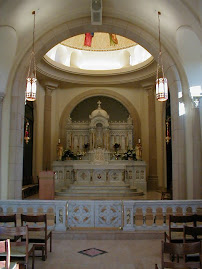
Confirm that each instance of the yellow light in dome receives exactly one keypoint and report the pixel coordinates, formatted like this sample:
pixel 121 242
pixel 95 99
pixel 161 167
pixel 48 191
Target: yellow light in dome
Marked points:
pixel 161 89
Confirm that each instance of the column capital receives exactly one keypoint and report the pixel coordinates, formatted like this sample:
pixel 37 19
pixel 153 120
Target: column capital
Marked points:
pixel 50 86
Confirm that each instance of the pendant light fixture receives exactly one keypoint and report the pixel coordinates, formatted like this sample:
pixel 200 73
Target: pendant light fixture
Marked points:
pixel 161 82
pixel 30 93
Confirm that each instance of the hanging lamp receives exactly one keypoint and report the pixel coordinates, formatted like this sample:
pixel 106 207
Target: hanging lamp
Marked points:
pixel 30 93
pixel 161 82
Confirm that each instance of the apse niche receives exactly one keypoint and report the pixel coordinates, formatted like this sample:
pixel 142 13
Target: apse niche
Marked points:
pixel 98 51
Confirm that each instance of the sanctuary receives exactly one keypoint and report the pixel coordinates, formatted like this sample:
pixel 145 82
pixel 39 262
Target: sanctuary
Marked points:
pixel 103 161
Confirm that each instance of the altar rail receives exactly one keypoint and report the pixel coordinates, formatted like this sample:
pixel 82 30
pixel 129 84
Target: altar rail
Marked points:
pixel 56 210
pixel 128 215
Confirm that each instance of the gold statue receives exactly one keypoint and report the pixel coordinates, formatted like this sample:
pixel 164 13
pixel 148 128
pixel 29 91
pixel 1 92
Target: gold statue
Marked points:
pixel 59 151
pixel 138 151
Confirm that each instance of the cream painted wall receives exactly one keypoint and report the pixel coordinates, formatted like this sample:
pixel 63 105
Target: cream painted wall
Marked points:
pixel 62 97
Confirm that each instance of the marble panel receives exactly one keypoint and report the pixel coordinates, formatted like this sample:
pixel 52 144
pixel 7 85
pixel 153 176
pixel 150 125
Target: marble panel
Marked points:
pixel 80 214
pixel 108 214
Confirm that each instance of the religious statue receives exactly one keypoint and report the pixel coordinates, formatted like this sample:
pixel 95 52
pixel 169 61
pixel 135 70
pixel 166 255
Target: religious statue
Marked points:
pixel 59 151
pixel 99 136
pixel 138 151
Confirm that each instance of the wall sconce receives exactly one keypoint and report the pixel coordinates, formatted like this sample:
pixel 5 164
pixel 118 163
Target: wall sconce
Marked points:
pixel 27 132
pixel 168 137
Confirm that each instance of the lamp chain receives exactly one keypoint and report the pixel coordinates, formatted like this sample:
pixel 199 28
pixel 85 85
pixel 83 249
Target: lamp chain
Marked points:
pixel 160 63
pixel 32 57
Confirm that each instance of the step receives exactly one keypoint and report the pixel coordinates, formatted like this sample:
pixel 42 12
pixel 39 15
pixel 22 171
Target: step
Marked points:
pixel 96 194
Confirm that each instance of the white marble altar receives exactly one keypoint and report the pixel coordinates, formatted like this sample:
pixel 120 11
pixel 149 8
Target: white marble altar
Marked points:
pixel 114 173
pixel 98 170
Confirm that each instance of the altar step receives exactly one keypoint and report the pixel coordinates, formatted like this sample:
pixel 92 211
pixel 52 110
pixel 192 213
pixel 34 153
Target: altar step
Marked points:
pixel 99 191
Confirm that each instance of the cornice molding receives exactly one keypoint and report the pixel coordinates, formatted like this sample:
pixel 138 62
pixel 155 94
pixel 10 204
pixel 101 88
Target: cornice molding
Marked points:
pixel 47 72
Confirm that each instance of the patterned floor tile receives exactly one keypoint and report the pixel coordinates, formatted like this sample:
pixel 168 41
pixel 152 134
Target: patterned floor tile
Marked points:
pixel 92 252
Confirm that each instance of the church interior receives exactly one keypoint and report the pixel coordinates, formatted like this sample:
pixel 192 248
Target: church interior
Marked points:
pixel 101 101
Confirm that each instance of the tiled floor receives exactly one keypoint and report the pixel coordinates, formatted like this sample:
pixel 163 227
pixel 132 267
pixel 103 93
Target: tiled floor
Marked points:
pixel 121 254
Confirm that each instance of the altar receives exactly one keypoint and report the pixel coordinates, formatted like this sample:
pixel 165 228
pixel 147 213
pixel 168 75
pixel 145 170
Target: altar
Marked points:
pixel 98 160
pixel 116 174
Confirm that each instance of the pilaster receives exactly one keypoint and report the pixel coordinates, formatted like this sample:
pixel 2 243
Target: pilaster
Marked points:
pixel 49 87
pixel 152 178
pixel 1 105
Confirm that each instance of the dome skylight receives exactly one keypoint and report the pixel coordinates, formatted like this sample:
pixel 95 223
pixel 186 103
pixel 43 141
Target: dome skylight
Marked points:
pixel 101 51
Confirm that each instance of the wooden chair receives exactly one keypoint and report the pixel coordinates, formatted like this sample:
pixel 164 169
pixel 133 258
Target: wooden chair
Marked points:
pixel 20 251
pixel 193 234
pixel 198 220
pixel 5 248
pixel 180 250
pixel 8 221
pixel 176 223
pixel 39 233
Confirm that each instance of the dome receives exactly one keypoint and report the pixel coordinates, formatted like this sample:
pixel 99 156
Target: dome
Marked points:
pixel 99 112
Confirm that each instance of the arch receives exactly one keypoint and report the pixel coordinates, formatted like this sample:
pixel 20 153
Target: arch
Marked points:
pixel 190 50
pixel 95 92
pixel 77 27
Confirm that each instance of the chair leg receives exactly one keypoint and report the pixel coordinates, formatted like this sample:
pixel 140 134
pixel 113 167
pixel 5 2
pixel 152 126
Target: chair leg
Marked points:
pixel 46 250
pixel 33 257
pixel 43 253
pixel 51 242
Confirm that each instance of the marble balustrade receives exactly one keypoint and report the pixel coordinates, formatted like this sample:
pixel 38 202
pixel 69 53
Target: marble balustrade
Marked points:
pixel 129 215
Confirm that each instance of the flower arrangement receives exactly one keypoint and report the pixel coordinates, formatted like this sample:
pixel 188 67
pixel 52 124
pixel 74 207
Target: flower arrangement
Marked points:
pixel 116 146
pixel 129 154
pixel 67 153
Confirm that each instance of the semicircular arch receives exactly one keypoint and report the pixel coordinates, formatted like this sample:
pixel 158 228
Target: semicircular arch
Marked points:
pixel 104 92
pixel 173 69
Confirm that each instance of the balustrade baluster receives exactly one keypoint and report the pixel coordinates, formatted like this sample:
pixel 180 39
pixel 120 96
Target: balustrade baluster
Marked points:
pixel 154 219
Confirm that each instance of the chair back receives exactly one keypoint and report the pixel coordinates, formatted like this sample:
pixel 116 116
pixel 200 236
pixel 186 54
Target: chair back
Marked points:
pixel 176 224
pixel 194 232
pixel 198 220
pixel 181 250
pixel 5 248
pixel 32 220
pixel 7 220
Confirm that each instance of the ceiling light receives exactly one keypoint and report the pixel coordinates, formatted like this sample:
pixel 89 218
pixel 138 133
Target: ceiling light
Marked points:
pixel 30 93
pixel 161 83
